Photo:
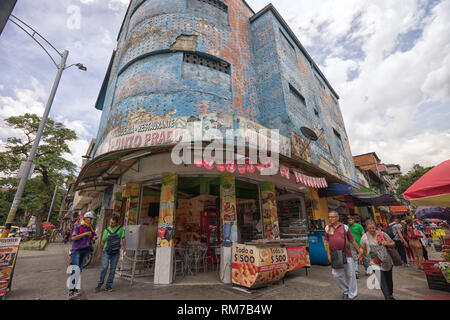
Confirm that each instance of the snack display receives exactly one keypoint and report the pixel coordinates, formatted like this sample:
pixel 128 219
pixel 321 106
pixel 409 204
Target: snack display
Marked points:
pixel 254 265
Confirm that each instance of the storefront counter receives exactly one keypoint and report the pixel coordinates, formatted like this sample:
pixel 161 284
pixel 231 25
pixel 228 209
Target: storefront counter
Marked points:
pixel 257 263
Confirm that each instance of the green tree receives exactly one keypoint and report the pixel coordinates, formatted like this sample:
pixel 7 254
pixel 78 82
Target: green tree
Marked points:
pixel 51 169
pixel 408 179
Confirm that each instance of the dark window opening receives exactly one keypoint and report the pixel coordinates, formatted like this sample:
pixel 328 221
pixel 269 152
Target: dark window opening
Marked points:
pixel 286 38
pixel 216 3
pixel 320 82
pixel 207 62
pixel 316 112
pixel 338 135
pixel 297 94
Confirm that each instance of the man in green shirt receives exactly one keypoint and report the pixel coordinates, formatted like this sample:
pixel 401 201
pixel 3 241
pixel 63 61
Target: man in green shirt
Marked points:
pixel 357 232
pixel 110 254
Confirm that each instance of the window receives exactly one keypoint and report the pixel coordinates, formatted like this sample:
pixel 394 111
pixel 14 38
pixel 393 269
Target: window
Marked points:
pixel 297 94
pixel 316 112
pixel 338 135
pixel 215 64
pixel 216 3
pixel 287 40
pixel 319 81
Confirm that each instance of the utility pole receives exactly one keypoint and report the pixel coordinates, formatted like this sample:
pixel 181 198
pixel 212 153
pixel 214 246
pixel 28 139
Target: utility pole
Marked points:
pixel 51 206
pixel 61 67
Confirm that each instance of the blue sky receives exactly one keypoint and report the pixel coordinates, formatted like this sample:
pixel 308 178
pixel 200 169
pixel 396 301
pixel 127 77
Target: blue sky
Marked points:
pixel 388 60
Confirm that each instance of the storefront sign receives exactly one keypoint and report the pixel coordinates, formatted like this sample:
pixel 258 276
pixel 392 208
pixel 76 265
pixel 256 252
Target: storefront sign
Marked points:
pixel 270 213
pixel 228 210
pixel 253 266
pixel 9 248
pixel 167 210
pixel 298 257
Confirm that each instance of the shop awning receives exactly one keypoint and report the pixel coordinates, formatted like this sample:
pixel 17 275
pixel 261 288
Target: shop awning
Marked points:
pixel 432 213
pixel 383 200
pixel 399 209
pixel 335 189
pixel 102 171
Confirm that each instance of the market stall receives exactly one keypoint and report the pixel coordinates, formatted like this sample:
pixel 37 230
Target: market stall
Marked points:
pixel 258 263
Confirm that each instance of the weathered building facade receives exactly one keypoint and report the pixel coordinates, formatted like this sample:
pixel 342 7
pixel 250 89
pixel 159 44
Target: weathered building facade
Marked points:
pixel 211 64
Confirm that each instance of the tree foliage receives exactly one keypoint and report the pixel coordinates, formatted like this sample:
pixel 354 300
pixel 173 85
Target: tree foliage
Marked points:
pixel 408 179
pixel 51 168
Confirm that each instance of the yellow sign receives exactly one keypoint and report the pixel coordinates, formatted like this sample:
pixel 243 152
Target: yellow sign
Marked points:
pixel 9 248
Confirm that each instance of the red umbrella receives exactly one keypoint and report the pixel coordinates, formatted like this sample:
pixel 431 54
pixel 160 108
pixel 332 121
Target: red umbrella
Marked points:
pixel 432 189
pixel 48 225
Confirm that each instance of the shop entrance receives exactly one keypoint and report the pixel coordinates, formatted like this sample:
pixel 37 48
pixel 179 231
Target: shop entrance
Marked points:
pixel 249 221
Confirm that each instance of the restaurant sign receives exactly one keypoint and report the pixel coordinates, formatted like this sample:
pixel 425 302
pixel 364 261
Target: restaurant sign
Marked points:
pixel 9 247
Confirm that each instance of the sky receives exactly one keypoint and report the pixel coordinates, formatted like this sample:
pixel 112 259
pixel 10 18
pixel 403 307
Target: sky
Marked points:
pixel 389 61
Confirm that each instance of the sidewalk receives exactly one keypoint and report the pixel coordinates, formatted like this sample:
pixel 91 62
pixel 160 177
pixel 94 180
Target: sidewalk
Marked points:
pixel 42 274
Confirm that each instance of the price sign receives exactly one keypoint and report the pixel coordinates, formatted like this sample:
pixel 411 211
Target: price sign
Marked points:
pixel 9 248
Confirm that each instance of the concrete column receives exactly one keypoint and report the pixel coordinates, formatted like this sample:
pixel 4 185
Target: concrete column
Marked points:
pixel 165 247
pixel 229 223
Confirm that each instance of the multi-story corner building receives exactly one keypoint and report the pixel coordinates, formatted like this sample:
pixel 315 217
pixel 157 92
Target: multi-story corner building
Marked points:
pixel 208 66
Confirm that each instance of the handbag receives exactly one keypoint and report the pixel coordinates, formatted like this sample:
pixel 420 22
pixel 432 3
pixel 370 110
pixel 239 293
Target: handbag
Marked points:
pixel 396 259
pixel 338 258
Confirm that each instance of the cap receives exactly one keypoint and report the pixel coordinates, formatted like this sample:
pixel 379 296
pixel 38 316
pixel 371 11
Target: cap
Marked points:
pixel 89 214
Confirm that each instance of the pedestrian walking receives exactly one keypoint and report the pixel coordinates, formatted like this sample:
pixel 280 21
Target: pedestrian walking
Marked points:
pixel 82 236
pixel 415 245
pixel 357 231
pixel 400 242
pixel 337 238
pixel 375 243
pixel 112 241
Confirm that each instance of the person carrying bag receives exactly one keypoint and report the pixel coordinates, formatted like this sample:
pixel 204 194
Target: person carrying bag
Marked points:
pixel 337 238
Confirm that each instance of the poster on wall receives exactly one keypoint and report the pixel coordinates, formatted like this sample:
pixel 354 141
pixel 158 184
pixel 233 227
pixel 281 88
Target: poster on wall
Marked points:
pixel 131 193
pixel 9 248
pixel 228 210
pixel 167 210
pixel 270 213
pixel 254 266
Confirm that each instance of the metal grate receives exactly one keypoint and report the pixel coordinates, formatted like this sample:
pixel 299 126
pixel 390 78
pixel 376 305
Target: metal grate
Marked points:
pixel 207 62
pixel 216 3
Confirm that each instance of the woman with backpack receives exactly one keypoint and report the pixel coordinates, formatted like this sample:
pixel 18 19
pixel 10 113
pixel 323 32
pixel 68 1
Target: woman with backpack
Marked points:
pixel 113 240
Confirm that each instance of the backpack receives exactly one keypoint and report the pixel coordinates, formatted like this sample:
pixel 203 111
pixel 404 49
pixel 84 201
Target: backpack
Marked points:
pixel 388 230
pixel 113 242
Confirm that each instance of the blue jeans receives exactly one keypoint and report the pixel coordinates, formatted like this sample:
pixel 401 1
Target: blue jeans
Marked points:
pixel 111 261
pixel 355 260
pixel 79 259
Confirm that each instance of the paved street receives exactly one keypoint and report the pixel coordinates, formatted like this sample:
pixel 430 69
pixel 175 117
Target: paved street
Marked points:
pixel 41 274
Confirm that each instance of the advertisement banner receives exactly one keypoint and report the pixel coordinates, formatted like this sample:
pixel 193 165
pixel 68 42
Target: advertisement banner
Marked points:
pixel 228 210
pixel 298 257
pixel 9 247
pixel 167 210
pixel 253 266
pixel 131 193
pixel 270 213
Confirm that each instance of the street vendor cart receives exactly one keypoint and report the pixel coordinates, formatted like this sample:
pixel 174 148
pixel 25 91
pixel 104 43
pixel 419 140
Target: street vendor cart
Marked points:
pixel 258 263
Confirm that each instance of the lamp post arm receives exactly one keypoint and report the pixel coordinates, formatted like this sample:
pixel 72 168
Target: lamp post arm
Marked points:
pixel 32 35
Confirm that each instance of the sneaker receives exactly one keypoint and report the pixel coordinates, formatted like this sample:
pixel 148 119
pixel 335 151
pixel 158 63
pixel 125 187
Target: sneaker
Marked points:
pixel 345 296
pixel 70 295
pixel 98 289
pixel 354 298
pixel 77 293
pixel 109 289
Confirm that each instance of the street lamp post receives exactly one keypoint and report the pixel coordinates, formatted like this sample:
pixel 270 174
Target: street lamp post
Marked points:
pixel 23 180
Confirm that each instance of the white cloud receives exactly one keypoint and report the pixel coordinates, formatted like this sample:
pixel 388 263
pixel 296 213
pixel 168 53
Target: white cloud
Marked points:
pixel 78 149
